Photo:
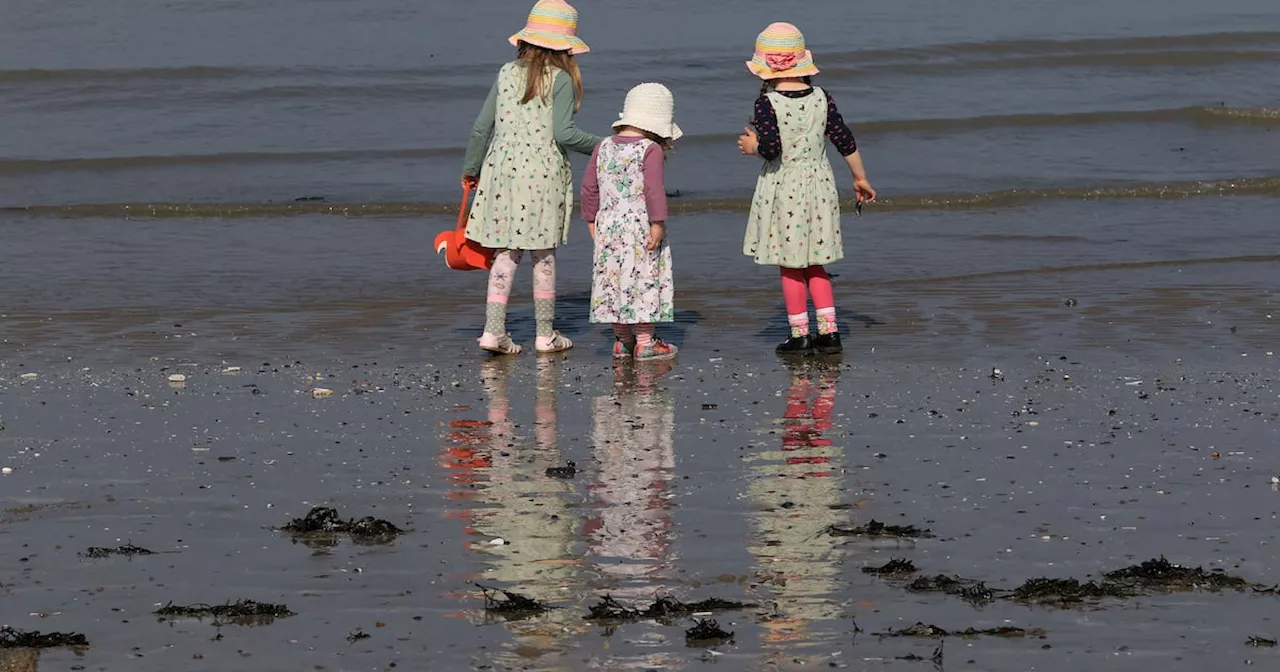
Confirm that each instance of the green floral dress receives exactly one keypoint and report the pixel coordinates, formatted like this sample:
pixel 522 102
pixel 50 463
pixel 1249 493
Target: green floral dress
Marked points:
pixel 525 196
pixel 795 214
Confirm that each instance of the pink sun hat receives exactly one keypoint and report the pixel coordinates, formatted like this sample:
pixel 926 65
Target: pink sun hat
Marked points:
pixel 780 52
pixel 552 24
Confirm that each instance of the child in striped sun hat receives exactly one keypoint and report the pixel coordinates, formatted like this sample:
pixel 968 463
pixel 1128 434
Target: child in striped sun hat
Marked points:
pixel 517 161
pixel 795 215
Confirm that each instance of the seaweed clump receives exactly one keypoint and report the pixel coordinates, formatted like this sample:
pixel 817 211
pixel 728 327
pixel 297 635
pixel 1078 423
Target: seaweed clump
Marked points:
pixel 875 529
pixel 128 550
pixel 706 633
pixel 323 520
pixel 933 631
pixel 1066 591
pixel 895 567
pixel 609 610
pixel 20 639
pixel 968 589
pixel 665 608
pixel 1262 642
pixel 1160 574
pixel 510 606
pixel 241 612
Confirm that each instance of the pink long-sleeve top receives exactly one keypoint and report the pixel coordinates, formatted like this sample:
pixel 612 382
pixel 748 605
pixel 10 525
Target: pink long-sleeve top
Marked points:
pixel 655 187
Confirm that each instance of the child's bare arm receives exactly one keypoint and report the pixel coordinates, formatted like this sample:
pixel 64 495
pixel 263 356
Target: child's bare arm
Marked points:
pixel 860 184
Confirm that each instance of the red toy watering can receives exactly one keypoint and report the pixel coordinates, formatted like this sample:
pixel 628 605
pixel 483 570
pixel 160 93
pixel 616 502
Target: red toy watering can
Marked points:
pixel 461 254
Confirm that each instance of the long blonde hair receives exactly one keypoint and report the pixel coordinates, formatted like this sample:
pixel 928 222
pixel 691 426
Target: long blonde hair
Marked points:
pixel 540 58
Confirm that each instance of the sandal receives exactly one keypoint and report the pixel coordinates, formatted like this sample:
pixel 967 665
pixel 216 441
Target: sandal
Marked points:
pixel 658 351
pixel 558 343
pixel 624 349
pixel 500 345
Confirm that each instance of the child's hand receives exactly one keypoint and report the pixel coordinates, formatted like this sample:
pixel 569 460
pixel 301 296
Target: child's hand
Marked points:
pixel 657 231
pixel 748 142
pixel 470 181
pixel 863 189
pixel 591 226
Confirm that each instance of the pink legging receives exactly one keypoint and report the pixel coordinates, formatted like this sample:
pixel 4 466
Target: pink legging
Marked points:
pixel 798 285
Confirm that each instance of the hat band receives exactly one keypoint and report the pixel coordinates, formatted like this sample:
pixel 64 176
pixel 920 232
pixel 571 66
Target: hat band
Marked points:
pixel 550 28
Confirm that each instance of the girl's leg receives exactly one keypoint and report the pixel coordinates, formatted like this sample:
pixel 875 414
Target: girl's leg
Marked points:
pixel 824 301
pixel 501 277
pixel 793 294
pixel 644 335
pixel 544 302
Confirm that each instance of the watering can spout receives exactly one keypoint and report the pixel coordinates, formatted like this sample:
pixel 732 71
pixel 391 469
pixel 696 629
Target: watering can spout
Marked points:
pixel 461 254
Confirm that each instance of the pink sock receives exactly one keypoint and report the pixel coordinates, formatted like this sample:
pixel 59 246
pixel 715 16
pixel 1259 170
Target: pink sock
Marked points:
pixel 793 295
pixel 623 332
pixel 824 301
pixel 644 335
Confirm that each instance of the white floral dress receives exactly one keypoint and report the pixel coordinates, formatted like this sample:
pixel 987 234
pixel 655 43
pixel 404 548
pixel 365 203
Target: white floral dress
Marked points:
pixel 795 214
pixel 630 284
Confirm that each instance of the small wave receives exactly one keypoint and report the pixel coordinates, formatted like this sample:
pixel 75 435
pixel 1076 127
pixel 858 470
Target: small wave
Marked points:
pixel 1164 43
pixel 1110 59
pixel 89 74
pixel 1006 198
pixel 114 163
pixel 1200 115
pixel 1076 268
pixel 1247 45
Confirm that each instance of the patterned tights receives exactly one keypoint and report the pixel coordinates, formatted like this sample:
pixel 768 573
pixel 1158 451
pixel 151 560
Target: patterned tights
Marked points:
pixel 501 278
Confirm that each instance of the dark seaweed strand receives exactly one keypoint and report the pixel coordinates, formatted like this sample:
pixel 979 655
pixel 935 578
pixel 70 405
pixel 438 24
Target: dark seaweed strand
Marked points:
pixel 515 603
pixel 19 639
pixel 707 631
pixel 238 609
pixel 610 609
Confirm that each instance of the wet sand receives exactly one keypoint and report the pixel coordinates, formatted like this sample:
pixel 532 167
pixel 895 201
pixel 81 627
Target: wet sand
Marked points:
pixel 714 477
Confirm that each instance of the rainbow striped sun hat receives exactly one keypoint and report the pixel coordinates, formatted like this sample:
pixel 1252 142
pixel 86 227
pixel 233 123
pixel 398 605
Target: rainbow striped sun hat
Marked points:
pixel 780 53
pixel 552 24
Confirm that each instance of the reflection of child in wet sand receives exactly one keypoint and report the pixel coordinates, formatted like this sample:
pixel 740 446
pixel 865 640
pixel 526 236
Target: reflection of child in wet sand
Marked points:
pixel 783 543
pixel 630 536
pixel 516 502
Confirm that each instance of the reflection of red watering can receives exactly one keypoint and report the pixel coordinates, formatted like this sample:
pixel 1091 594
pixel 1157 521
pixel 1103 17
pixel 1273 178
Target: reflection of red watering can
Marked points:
pixel 461 254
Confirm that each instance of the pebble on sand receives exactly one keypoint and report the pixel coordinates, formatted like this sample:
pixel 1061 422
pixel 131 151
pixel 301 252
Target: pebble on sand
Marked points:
pixel 321 393
pixel 177 378
pixel 6 471
pixel 30 376
pixel 231 369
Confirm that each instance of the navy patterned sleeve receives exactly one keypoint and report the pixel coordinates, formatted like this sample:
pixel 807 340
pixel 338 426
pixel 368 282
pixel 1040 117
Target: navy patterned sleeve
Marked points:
pixel 838 131
pixel 766 124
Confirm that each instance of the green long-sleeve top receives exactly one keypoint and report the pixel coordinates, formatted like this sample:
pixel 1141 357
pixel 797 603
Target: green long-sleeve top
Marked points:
pixel 567 133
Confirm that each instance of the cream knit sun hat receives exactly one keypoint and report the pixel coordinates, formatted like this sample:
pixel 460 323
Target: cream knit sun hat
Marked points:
pixel 650 107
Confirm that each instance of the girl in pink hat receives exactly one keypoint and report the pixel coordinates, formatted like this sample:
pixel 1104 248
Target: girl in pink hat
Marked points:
pixel 517 162
pixel 795 215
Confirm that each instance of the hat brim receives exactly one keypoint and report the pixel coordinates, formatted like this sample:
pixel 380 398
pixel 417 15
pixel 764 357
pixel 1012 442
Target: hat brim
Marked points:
pixel 805 68
pixel 570 43
pixel 672 133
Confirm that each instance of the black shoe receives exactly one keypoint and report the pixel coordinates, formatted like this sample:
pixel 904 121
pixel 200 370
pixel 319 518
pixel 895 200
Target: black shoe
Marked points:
pixel 828 344
pixel 796 345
